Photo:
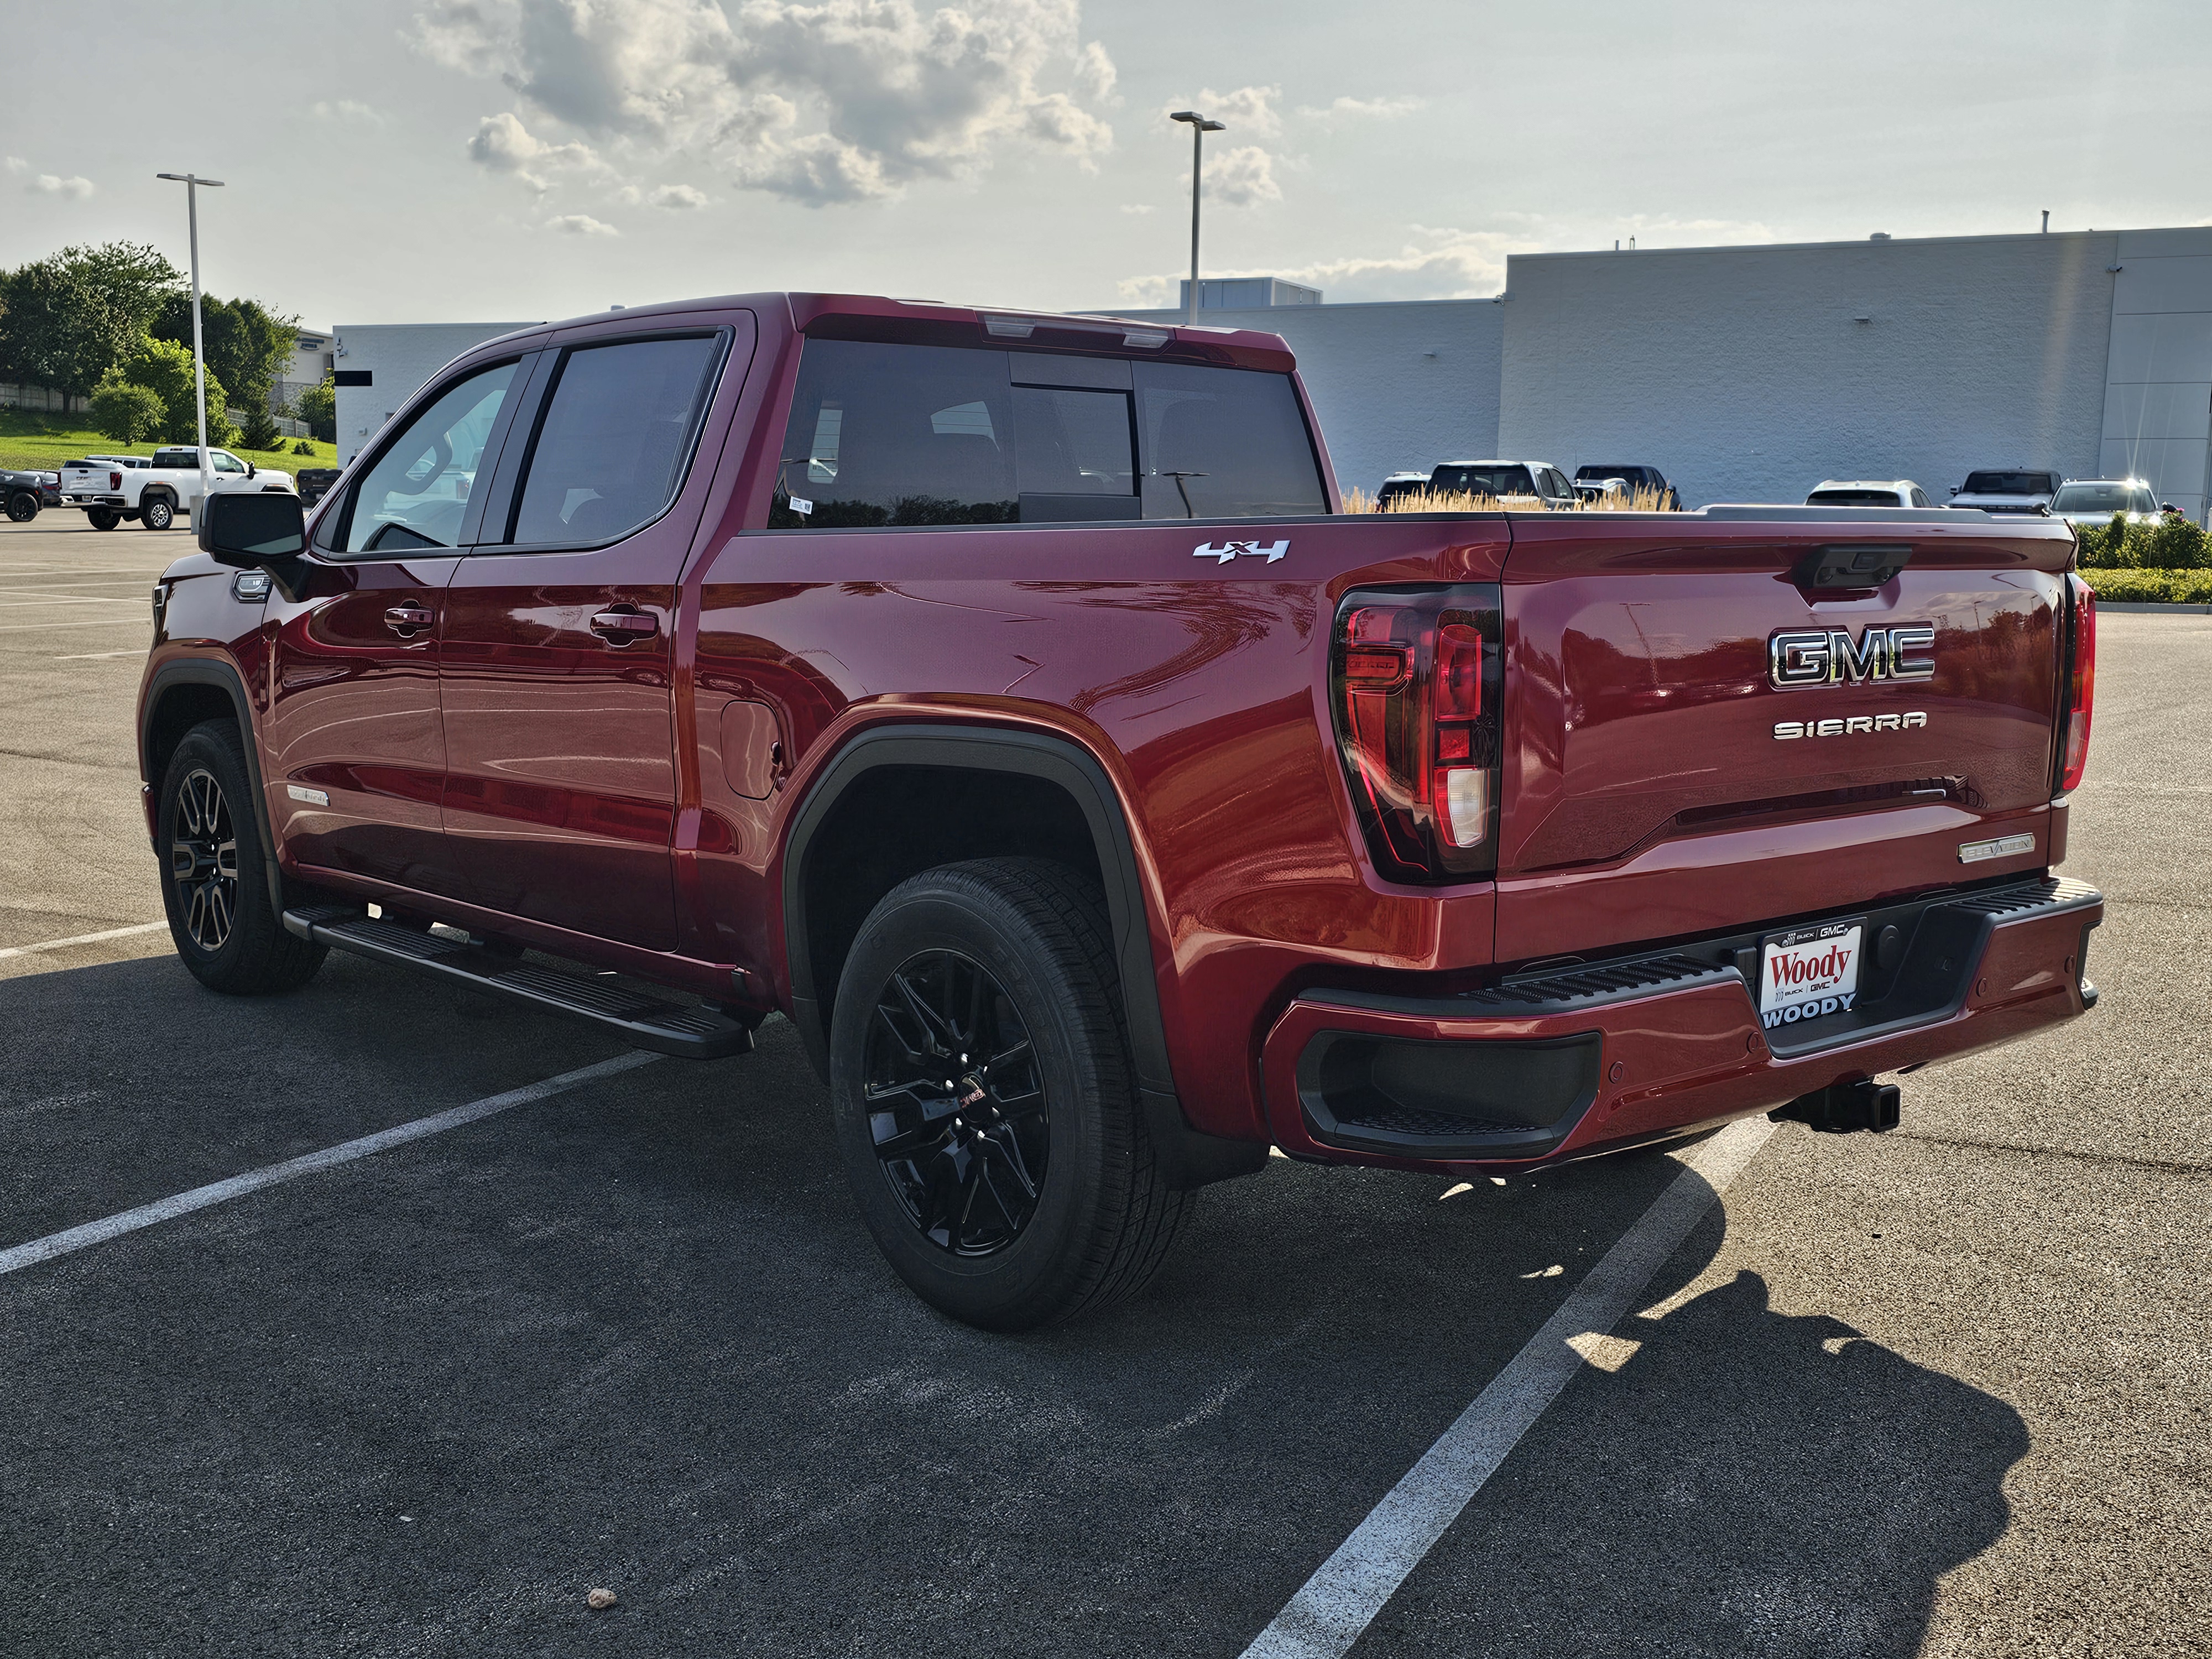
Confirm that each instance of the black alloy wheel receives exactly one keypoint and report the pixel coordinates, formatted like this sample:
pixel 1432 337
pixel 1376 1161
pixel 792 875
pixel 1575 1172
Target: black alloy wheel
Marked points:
pixel 987 1110
pixel 155 513
pixel 223 905
pixel 22 507
pixel 957 1108
pixel 204 860
pixel 103 517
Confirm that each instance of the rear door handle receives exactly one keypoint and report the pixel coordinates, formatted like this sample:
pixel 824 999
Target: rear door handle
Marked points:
pixel 621 626
pixel 405 619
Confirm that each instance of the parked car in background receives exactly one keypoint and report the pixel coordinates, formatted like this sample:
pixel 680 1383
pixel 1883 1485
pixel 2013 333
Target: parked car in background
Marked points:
pixel 1634 475
pixel 1611 492
pixel 1538 481
pixel 1868 492
pixel 2100 501
pixel 2007 489
pixel 22 494
pixel 314 481
pixel 110 491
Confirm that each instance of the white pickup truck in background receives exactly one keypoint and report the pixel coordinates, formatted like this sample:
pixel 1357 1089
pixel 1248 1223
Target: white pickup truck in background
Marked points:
pixel 111 489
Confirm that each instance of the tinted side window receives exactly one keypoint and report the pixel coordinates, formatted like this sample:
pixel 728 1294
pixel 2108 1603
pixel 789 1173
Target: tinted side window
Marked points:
pixel 616 439
pixel 417 492
pixel 1223 443
pixel 897 434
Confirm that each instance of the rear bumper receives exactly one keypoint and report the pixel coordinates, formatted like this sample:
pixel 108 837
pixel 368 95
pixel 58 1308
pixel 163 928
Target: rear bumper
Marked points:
pixel 1610 1055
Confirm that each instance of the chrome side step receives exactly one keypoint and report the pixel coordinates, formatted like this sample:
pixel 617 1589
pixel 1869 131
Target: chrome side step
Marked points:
pixel 647 1020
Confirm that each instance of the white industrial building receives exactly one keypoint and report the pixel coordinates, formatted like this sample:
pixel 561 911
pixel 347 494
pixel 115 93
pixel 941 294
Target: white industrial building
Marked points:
pixel 1745 373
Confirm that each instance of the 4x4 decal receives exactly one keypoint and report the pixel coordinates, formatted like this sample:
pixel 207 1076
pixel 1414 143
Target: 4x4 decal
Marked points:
pixel 1270 551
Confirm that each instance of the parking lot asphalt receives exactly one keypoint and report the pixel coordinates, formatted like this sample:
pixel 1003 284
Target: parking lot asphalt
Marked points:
pixel 1943 1391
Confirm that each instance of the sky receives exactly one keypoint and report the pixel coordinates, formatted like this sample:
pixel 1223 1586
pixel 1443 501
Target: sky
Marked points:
pixel 463 161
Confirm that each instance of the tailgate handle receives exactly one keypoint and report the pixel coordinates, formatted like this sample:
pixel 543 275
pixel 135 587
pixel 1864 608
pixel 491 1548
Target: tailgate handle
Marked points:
pixel 1852 565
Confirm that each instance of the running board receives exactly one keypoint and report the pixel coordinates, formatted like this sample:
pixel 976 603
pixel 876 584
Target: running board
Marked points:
pixel 688 1030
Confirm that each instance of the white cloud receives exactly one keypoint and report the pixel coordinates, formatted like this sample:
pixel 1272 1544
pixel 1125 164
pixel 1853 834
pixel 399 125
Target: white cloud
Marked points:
pixel 580 224
pixel 1373 109
pixel 18 164
pixel 1247 111
pixel 1244 177
pixel 503 144
pixel 47 184
pixel 1136 207
pixel 348 110
pixel 824 102
pixel 679 197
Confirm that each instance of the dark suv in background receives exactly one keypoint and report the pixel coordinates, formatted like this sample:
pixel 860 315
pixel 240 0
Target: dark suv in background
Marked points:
pixel 1634 477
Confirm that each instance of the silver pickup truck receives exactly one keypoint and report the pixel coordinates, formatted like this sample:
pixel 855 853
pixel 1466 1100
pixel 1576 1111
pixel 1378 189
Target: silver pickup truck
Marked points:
pixel 111 489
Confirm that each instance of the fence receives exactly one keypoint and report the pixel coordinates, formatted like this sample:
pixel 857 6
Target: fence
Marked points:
pixel 41 398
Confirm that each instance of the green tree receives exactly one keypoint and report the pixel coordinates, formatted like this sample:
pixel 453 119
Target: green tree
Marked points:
pixel 165 368
pixel 247 344
pixel 259 430
pixel 318 405
pixel 125 412
pixel 65 321
pixel 59 329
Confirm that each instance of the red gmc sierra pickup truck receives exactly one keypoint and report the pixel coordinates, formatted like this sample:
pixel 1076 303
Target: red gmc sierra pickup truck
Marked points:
pixel 1003 698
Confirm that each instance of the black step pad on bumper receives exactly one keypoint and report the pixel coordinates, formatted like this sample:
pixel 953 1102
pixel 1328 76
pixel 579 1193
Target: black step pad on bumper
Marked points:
pixel 688 1030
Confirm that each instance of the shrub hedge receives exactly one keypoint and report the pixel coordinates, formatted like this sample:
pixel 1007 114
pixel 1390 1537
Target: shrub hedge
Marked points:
pixel 2151 587
pixel 2173 544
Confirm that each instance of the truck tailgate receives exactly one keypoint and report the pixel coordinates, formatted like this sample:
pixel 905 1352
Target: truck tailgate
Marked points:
pixel 1655 785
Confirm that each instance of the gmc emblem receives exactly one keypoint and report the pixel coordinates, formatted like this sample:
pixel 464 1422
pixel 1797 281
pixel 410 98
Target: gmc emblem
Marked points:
pixel 1797 660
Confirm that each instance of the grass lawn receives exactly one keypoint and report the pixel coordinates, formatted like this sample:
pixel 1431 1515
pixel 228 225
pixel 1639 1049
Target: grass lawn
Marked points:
pixel 30 440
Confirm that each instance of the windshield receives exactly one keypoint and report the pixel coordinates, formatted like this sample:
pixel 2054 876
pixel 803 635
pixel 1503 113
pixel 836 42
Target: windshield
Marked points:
pixel 2009 483
pixel 1505 480
pixel 1630 475
pixel 2103 498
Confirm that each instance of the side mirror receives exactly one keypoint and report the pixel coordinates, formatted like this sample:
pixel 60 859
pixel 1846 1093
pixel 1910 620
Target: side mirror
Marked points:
pixel 249 469
pixel 252 530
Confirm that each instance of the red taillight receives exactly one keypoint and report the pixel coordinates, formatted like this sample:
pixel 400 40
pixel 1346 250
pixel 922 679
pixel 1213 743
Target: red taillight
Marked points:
pixel 1414 689
pixel 2082 687
pixel 115 481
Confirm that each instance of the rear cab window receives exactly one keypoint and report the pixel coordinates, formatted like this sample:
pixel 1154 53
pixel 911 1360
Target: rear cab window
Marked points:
pixel 886 434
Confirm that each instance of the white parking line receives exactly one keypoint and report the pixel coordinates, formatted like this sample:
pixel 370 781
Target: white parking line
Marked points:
pixel 79 938
pixel 1328 1615
pixel 97 656
pixel 49 628
pixel 200 1198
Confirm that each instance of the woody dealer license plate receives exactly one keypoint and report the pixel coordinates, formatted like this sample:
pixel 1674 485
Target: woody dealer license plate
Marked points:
pixel 1809 973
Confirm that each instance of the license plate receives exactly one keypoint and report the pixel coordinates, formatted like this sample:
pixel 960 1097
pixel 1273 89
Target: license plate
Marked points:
pixel 1810 973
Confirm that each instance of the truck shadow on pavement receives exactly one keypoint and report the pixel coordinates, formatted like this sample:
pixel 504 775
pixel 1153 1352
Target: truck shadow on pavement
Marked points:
pixel 1748 1482
pixel 636 1336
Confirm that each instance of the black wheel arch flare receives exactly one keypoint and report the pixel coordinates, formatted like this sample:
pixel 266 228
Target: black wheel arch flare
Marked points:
pixel 1188 1157
pixel 181 672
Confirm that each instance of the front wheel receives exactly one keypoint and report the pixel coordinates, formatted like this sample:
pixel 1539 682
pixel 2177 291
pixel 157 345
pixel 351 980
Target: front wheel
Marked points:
pixel 102 518
pixel 156 512
pixel 984 1100
pixel 215 885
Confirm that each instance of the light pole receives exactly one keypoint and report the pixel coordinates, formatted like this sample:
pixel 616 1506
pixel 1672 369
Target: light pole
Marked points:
pixel 1199 126
pixel 191 182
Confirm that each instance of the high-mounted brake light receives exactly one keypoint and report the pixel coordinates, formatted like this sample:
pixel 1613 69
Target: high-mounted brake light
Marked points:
pixel 2082 686
pixel 1413 681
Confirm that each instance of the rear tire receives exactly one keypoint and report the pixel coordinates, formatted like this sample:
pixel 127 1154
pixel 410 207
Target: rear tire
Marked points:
pixel 213 884
pixel 102 518
pixel 157 512
pixel 22 507
pixel 985 1103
